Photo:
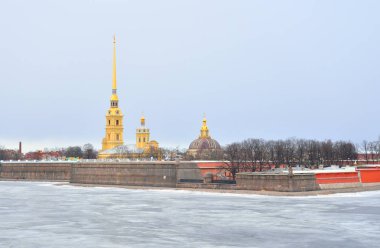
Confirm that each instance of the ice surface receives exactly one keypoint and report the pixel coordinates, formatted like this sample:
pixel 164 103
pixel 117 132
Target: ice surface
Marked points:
pixel 51 215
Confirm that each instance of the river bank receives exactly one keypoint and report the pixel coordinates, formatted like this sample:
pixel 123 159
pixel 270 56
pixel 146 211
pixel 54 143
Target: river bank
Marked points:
pixel 372 187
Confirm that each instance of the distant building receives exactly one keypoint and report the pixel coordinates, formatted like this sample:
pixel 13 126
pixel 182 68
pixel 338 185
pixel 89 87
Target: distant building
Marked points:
pixel 204 147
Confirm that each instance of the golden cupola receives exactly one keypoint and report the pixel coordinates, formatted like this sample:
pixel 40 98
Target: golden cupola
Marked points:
pixel 204 129
pixel 204 145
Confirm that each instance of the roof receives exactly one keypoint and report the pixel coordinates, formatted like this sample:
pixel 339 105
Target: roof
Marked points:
pixel 204 143
pixel 123 149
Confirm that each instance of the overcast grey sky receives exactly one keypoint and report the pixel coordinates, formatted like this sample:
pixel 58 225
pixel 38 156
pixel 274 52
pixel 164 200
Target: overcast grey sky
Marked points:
pixel 266 69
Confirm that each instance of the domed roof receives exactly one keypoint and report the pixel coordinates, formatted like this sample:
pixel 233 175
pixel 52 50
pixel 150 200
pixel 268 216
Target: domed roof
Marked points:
pixel 204 143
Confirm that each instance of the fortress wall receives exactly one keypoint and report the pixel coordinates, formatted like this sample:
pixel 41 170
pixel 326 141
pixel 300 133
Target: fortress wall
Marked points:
pixel 337 177
pixel 43 171
pixel 189 171
pixel 370 174
pixel 160 174
pixel 144 173
pixel 276 182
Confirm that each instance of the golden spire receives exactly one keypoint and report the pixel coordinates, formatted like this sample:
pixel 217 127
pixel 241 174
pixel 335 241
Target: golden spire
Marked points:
pixel 204 128
pixel 114 66
pixel 114 98
pixel 142 120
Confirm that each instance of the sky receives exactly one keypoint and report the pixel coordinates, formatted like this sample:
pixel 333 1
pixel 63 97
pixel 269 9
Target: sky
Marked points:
pixel 269 69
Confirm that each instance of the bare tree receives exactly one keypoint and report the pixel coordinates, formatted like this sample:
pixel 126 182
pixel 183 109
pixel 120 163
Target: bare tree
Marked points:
pixel 234 157
pixel 327 152
pixel 252 154
pixel 74 151
pixel 365 149
pixel 89 152
pixel 248 155
pixel 289 151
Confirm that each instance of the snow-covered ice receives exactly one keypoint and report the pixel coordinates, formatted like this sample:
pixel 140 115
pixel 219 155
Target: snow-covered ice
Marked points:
pixel 36 214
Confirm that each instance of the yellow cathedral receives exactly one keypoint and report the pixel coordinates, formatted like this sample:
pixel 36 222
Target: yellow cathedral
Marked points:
pixel 114 117
pixel 113 143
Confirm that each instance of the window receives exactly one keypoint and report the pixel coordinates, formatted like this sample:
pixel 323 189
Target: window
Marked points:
pixel 139 139
pixel 117 122
pixel 109 136
pixel 109 122
pixel 117 136
pixel 144 139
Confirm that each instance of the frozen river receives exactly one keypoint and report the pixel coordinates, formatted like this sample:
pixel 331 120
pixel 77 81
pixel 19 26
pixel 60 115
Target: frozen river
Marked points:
pixel 35 214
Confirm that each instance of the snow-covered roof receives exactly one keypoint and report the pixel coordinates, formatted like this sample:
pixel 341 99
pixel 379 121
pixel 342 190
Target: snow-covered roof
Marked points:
pixel 123 149
pixel 326 170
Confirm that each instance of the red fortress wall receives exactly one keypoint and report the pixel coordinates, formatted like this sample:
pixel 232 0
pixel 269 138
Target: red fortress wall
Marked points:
pixel 337 177
pixel 369 174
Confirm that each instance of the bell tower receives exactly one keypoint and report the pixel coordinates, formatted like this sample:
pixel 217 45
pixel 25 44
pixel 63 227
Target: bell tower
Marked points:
pixel 142 134
pixel 114 117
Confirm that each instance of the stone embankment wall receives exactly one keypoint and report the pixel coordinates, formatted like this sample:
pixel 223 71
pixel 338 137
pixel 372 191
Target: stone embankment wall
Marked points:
pixel 179 174
pixel 276 182
pixel 207 186
pixel 188 171
pixel 161 174
pixel 143 173
pixel 42 171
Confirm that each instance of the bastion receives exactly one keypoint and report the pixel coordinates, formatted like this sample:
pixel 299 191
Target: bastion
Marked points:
pixel 276 182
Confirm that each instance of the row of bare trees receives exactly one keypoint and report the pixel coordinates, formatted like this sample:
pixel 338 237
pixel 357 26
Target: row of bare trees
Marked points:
pixel 370 150
pixel 8 154
pixel 86 152
pixel 258 154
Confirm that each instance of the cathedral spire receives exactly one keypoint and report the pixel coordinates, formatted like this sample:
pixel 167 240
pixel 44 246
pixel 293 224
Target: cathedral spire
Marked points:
pixel 114 98
pixel 114 66
pixel 142 120
pixel 114 117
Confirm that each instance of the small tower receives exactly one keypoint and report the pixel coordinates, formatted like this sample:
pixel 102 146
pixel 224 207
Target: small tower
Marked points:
pixel 142 134
pixel 114 117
